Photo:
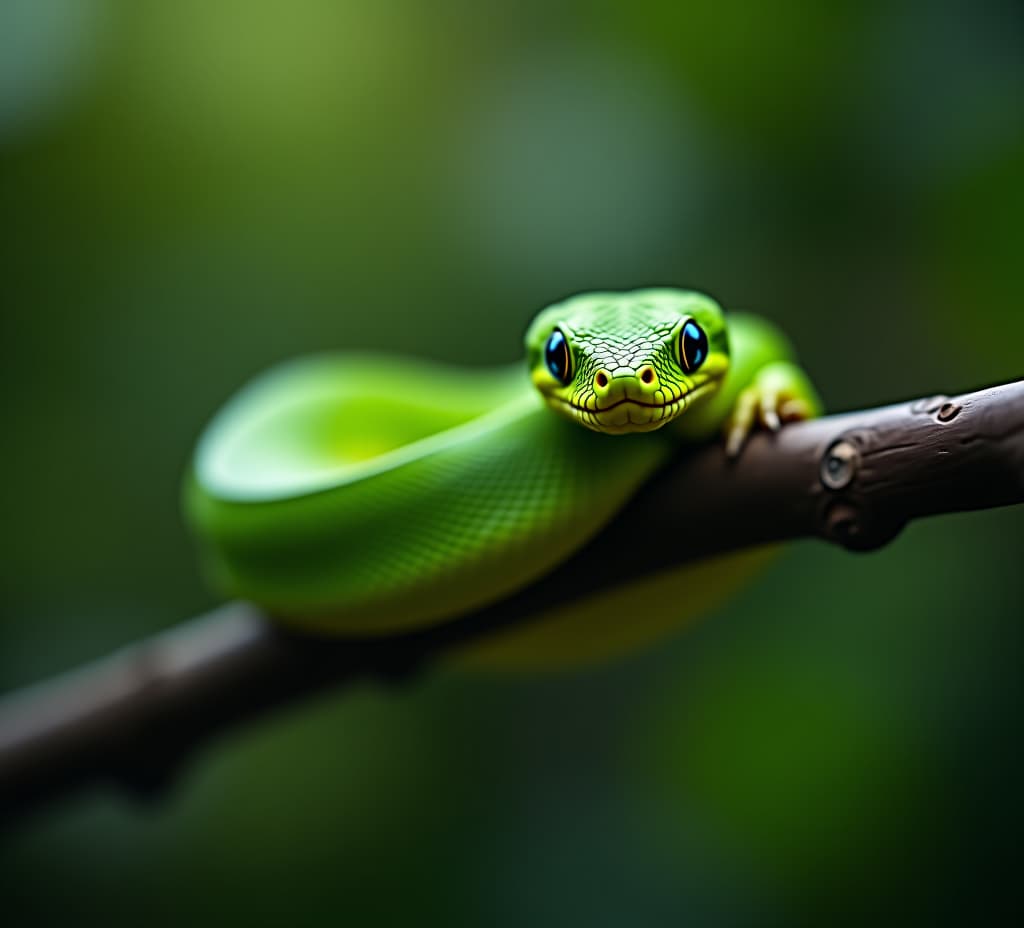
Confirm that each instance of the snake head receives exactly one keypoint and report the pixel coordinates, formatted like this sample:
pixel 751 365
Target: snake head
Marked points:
pixel 628 362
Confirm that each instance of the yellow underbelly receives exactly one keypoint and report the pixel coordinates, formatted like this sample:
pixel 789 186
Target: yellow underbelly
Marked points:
pixel 607 625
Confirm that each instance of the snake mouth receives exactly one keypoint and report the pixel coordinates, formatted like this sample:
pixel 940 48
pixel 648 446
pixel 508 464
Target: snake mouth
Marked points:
pixel 623 402
pixel 629 414
pixel 684 399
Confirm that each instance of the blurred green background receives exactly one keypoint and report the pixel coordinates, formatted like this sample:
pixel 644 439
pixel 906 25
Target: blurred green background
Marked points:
pixel 191 191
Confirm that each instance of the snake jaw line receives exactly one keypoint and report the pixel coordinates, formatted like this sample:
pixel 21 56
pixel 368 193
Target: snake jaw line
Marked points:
pixel 651 416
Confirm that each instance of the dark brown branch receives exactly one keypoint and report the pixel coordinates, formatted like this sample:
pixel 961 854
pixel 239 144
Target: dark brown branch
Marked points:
pixel 855 479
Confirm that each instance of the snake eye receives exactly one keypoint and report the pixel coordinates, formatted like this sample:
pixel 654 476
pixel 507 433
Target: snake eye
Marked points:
pixel 556 357
pixel 693 347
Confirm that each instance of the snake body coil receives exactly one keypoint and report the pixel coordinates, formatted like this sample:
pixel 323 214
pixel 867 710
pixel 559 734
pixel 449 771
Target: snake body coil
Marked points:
pixel 364 495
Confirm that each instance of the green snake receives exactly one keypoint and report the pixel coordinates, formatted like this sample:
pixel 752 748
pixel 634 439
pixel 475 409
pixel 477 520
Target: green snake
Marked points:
pixel 367 495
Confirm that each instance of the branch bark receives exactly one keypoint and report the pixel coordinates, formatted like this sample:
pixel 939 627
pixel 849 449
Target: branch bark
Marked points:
pixel 133 719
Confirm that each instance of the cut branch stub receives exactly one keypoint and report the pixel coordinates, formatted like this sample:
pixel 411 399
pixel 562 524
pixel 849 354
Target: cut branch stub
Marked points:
pixel 850 516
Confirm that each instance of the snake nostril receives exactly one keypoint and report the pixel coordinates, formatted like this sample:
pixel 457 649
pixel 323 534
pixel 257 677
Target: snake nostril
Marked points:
pixel 601 379
pixel 647 375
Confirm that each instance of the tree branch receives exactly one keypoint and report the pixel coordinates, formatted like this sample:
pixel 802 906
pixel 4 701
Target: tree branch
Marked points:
pixel 854 479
